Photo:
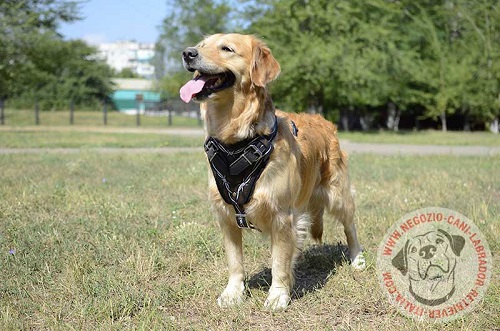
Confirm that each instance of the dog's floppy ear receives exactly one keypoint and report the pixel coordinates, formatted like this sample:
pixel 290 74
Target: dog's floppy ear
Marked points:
pixel 400 261
pixel 264 68
pixel 457 243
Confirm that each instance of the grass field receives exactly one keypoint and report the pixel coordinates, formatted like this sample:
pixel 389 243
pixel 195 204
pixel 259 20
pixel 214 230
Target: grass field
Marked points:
pixel 75 139
pixel 16 117
pixel 126 241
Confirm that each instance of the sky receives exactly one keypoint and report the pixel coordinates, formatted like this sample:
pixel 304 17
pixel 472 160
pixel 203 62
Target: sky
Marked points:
pixel 114 20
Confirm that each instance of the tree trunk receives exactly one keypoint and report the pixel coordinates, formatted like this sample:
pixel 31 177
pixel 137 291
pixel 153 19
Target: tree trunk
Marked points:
pixel 365 124
pixel 396 120
pixel 316 103
pixel 466 122
pixel 2 113
pixel 393 116
pixel 443 122
pixel 494 126
pixel 417 121
pixel 344 119
pixel 37 113
pixel 320 109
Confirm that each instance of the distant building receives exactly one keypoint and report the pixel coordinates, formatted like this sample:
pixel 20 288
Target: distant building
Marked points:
pixel 129 54
pixel 126 94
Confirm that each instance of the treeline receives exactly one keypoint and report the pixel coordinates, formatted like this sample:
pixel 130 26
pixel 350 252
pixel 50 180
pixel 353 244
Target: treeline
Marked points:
pixel 366 63
pixel 38 65
pixel 361 63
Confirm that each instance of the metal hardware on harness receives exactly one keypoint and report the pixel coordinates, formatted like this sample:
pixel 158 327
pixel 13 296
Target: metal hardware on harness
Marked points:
pixel 250 155
pixel 210 150
pixel 241 221
pixel 236 169
pixel 295 130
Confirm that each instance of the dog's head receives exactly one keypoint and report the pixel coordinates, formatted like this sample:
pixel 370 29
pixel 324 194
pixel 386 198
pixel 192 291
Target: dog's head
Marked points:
pixel 429 256
pixel 227 63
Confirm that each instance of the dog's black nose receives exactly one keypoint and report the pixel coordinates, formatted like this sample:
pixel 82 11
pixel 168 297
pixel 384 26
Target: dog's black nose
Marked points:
pixel 427 252
pixel 189 54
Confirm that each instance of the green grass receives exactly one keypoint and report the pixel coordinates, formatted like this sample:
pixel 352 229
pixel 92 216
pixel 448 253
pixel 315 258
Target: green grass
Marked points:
pixel 426 137
pixel 104 242
pixel 17 117
pixel 76 139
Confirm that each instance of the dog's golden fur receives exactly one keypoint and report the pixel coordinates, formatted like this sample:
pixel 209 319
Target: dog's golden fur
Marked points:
pixel 305 177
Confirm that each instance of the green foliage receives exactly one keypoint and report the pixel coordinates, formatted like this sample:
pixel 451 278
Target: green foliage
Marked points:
pixel 37 64
pixel 481 97
pixel 127 73
pixel 21 23
pixel 356 55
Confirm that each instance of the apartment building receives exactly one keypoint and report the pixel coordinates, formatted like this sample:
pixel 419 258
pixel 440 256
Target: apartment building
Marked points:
pixel 129 54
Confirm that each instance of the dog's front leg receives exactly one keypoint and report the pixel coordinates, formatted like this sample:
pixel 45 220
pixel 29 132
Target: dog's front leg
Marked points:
pixel 234 293
pixel 283 246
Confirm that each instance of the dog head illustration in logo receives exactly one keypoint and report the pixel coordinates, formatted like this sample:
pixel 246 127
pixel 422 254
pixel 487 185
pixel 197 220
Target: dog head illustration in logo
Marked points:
pixel 430 260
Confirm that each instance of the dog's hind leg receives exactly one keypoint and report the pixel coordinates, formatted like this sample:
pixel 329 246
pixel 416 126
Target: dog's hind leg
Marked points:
pixel 234 293
pixel 345 214
pixel 317 211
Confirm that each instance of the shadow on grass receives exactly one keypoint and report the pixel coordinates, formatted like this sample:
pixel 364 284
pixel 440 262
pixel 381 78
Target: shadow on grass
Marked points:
pixel 313 269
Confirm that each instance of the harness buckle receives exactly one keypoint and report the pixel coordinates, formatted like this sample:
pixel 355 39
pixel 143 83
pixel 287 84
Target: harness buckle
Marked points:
pixel 253 151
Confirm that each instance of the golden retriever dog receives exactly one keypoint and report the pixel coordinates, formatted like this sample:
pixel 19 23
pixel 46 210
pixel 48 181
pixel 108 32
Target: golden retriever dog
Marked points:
pixel 305 173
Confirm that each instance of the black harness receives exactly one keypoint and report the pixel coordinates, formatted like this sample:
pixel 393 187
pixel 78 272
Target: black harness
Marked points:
pixel 237 167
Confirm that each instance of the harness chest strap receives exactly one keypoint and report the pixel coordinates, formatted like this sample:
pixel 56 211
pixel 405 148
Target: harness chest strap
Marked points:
pixel 236 169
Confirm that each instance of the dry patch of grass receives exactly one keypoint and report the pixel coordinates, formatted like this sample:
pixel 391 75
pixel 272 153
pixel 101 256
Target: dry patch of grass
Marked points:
pixel 127 241
pixel 425 137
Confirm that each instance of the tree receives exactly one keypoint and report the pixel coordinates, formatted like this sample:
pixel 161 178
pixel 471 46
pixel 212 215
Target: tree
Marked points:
pixel 21 22
pixel 333 54
pixel 481 96
pixel 36 63
pixel 127 73
pixel 358 56
pixel 432 25
pixel 458 47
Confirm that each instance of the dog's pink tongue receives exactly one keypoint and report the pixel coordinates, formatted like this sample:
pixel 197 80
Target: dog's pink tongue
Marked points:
pixel 191 88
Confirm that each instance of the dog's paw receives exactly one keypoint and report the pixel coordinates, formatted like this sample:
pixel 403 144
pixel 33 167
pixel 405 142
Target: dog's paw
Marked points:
pixel 359 262
pixel 232 296
pixel 277 300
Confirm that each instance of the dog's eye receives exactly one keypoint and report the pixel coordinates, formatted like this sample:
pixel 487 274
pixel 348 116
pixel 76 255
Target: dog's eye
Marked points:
pixel 439 241
pixel 227 49
pixel 413 250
